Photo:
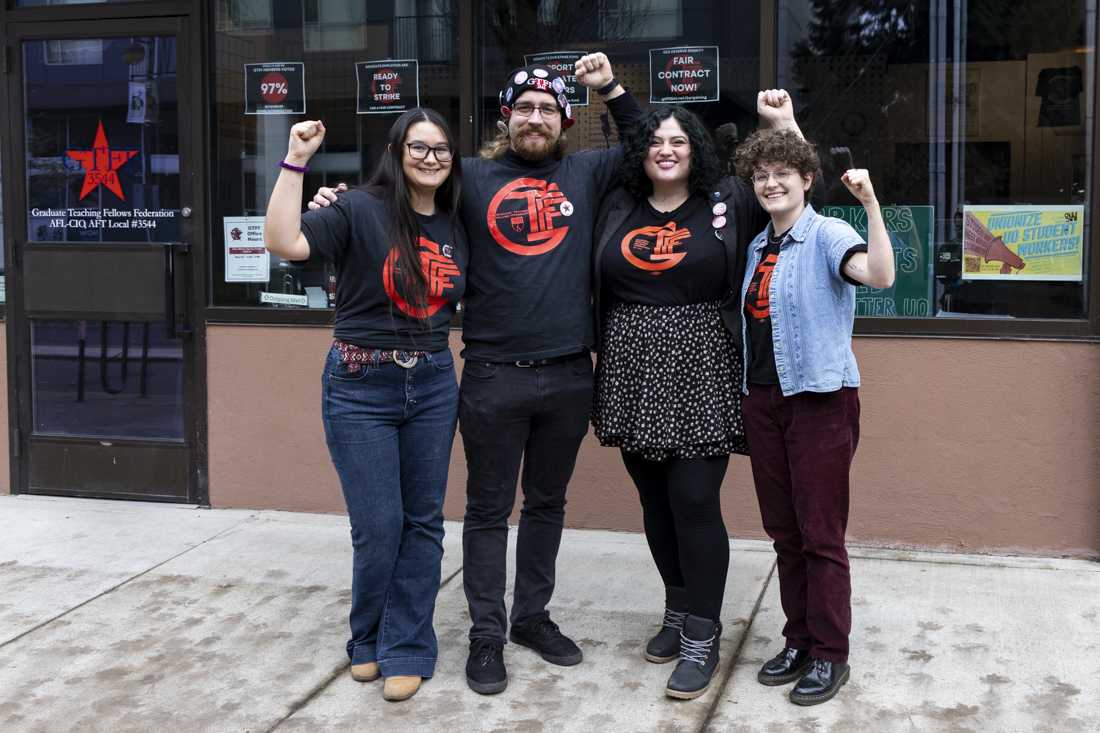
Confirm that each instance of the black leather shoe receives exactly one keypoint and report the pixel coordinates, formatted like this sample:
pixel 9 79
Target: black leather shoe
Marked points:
pixel 820 682
pixel 786 666
pixel 544 637
pixel 699 647
pixel 665 644
pixel 485 672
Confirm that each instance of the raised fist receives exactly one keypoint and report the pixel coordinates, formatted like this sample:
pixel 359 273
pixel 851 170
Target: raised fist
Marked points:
pixel 858 181
pixel 593 70
pixel 305 139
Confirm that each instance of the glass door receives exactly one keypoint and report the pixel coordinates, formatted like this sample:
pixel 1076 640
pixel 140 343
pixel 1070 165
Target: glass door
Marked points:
pixel 107 378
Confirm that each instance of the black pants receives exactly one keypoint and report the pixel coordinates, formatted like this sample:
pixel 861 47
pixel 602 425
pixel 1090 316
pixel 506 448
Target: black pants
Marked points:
pixel 508 414
pixel 684 527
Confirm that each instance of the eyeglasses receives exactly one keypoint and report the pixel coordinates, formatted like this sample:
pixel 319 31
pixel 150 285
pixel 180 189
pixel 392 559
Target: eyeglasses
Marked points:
pixel 760 178
pixel 526 109
pixel 419 151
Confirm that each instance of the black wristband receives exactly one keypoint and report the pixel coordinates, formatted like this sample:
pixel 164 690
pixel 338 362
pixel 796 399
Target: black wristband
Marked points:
pixel 608 87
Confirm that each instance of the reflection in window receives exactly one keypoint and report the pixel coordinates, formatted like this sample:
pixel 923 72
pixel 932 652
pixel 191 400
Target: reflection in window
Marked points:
pixel 626 30
pixel 106 379
pixel 623 19
pixel 77 52
pixel 329 38
pixel 961 117
pixel 334 26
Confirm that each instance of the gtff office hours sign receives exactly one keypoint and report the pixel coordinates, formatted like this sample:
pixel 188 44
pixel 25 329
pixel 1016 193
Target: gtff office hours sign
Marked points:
pixel 683 74
pixel 275 88
pixel 387 86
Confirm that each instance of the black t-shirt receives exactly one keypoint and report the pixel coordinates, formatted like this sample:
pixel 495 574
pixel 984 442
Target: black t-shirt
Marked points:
pixel 758 320
pixel 528 295
pixel 665 258
pixel 371 308
pixel 1061 90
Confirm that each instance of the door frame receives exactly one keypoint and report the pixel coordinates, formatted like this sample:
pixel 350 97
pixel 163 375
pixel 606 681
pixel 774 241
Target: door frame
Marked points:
pixel 184 20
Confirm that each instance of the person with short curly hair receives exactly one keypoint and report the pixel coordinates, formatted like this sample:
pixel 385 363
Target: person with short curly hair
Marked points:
pixel 668 266
pixel 801 402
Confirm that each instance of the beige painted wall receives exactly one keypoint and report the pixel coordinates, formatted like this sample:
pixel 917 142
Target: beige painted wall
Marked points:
pixel 966 444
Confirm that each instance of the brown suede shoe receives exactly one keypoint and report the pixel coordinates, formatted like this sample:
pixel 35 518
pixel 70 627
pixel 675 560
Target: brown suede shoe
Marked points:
pixel 367 672
pixel 400 687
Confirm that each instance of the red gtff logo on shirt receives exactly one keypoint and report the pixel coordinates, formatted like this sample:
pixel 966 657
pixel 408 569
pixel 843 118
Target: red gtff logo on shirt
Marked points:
pixel 438 269
pixel 524 216
pixel 757 302
pixel 651 248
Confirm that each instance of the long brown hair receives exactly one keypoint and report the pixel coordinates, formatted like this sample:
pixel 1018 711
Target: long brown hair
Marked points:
pixel 388 183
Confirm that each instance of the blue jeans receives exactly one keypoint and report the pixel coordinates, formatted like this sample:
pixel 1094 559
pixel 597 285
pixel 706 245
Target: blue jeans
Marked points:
pixel 389 431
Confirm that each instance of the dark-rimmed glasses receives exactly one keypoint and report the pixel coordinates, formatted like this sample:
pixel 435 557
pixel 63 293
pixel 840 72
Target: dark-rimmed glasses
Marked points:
pixel 419 151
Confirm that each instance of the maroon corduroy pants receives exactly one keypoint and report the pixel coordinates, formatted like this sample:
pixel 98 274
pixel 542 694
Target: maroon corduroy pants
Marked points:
pixel 801 448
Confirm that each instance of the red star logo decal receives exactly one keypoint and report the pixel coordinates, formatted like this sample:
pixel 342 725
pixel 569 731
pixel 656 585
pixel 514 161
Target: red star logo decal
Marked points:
pixel 101 164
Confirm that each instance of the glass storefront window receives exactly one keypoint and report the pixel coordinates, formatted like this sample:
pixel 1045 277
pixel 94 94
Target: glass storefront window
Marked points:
pixel 626 30
pixel 977 133
pixel 327 40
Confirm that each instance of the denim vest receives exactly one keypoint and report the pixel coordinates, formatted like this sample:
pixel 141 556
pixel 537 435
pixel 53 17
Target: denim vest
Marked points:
pixel 812 307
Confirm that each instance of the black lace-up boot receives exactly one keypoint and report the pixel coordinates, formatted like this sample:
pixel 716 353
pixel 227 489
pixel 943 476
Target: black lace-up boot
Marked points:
pixel 665 645
pixel 699 641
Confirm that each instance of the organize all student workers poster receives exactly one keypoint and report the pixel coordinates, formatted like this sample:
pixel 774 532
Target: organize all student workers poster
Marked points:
pixel 683 74
pixel 275 88
pixel 387 86
pixel 565 63
pixel 910 230
pixel 1023 242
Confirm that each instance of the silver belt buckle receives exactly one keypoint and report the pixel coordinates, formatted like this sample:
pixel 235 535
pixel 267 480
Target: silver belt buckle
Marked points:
pixel 407 364
pixel 525 363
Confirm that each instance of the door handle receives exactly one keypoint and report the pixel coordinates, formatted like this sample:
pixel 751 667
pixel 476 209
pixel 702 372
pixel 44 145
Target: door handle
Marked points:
pixel 170 289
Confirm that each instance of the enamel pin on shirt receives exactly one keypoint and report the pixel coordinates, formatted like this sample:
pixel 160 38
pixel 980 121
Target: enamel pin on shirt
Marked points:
pixel 719 221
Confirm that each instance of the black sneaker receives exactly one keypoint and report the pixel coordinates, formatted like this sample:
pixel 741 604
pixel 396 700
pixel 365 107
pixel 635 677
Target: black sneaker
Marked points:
pixel 543 636
pixel 485 672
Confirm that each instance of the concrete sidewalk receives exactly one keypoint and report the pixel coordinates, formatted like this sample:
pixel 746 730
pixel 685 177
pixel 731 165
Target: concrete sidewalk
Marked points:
pixel 119 616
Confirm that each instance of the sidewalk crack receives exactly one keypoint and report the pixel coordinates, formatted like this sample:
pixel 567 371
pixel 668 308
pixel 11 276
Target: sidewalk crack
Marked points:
pixel 728 675
pixel 332 676
pixel 121 583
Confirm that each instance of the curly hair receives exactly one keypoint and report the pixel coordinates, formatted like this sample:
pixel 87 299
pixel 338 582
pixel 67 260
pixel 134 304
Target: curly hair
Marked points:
pixel 785 147
pixel 705 166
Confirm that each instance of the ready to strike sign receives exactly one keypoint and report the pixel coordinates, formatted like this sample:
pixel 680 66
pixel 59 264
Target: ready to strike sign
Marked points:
pixel 391 85
pixel 275 88
pixel 565 63
pixel 683 74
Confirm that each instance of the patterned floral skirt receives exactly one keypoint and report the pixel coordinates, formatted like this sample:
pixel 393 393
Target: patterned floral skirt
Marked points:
pixel 668 383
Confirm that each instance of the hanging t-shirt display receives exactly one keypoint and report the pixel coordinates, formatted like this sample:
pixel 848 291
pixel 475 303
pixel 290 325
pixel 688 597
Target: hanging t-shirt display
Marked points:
pixel 1060 89
pixel 665 258
pixel 372 308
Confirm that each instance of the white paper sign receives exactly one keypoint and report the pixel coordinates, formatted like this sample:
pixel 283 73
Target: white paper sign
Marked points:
pixel 246 258
pixel 284 299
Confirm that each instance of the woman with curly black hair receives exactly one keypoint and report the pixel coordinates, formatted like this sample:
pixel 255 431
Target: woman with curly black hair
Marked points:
pixel 668 268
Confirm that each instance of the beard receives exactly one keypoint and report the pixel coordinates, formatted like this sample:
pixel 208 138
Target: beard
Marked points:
pixel 536 149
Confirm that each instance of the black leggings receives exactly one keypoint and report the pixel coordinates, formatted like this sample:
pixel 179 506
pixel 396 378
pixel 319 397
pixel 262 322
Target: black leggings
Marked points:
pixel 684 527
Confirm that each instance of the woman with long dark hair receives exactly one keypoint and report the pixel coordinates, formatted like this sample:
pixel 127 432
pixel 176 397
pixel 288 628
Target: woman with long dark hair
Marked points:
pixel 390 397
pixel 668 268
